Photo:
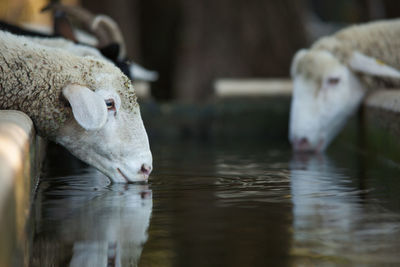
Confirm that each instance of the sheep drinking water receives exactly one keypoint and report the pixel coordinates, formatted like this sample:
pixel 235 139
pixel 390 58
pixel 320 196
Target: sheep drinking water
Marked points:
pixel 332 77
pixel 84 103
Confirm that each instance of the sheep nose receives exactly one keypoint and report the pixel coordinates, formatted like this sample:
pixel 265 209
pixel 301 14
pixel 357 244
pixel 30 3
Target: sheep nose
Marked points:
pixel 301 144
pixel 145 169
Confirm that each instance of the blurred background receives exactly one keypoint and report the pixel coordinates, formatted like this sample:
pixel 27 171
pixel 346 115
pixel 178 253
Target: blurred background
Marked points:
pixel 192 43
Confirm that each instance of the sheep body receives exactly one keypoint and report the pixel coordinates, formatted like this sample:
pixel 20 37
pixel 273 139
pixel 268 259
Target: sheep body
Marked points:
pixel 131 69
pixel 379 40
pixel 74 48
pixel 32 77
pixel 376 39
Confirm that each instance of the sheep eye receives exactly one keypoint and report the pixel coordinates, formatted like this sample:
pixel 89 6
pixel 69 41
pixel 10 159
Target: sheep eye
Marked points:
pixel 110 104
pixel 333 81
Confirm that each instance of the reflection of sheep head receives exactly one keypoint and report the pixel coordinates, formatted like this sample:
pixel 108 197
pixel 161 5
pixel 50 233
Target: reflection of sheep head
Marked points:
pixel 115 226
pixel 336 215
pixel 320 213
pixel 103 226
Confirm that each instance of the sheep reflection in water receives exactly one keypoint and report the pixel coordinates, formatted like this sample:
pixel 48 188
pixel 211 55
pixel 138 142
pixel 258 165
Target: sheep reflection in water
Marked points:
pixel 87 225
pixel 336 214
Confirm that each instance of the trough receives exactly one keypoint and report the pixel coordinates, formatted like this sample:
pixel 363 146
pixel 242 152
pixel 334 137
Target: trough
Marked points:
pixel 252 109
pixel 21 154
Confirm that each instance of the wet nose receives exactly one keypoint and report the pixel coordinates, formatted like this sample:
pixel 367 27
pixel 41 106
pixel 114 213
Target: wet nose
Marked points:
pixel 301 144
pixel 145 169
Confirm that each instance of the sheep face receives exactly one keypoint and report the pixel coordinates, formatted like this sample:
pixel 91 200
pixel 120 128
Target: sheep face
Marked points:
pixel 107 132
pixel 325 94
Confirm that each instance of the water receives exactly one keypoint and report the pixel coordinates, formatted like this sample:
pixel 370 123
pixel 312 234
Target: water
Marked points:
pixel 236 204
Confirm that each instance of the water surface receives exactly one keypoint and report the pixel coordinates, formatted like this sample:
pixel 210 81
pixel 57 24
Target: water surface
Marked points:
pixel 234 204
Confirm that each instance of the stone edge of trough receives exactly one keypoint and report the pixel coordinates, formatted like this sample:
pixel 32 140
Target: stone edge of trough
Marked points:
pixel 388 100
pixel 382 109
pixel 21 155
pixel 380 122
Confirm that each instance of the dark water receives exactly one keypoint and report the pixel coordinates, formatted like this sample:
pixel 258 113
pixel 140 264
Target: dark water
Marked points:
pixel 237 204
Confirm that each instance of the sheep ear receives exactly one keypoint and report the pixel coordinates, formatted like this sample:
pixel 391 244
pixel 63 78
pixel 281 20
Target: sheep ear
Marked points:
pixel 299 54
pixel 369 65
pixel 88 108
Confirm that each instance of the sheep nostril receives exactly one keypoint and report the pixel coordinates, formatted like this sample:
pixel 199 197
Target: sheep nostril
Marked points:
pixel 145 169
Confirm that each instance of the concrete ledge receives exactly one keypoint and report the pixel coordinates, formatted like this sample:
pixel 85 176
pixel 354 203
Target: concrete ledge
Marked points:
pixel 252 87
pixel 19 160
pixel 388 100
pixel 382 109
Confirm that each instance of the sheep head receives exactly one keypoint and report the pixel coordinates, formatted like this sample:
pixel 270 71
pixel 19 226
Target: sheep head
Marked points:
pixel 106 129
pixel 326 93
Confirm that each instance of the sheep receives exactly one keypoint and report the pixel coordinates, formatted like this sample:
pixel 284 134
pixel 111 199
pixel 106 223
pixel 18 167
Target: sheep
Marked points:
pixel 83 103
pixel 110 47
pixel 111 42
pixel 331 79
pixel 131 69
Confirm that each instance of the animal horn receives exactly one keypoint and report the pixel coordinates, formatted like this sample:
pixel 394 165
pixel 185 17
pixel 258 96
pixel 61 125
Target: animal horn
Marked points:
pixel 103 27
pixel 113 32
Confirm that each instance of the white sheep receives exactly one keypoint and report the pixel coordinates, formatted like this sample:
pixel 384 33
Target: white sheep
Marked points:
pixel 133 70
pixel 110 39
pixel 87 105
pixel 332 77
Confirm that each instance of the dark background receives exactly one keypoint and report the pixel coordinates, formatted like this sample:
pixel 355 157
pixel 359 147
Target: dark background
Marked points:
pixel 192 43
